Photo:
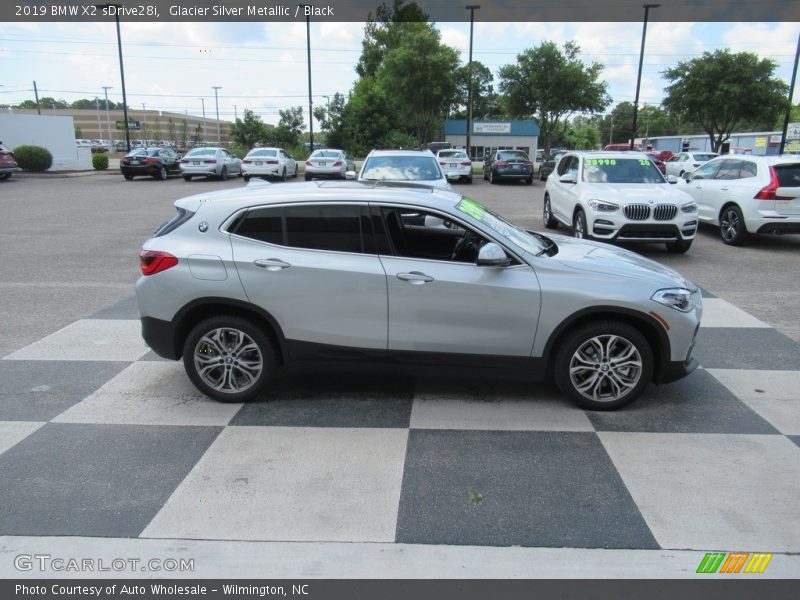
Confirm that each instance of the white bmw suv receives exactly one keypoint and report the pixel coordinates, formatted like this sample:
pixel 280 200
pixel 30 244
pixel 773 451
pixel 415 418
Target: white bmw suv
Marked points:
pixel 619 196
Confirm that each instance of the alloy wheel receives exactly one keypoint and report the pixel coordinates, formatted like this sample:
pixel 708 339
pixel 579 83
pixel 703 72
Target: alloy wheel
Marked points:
pixel 605 368
pixel 228 360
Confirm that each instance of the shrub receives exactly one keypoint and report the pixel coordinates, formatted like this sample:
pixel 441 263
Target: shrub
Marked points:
pixel 33 158
pixel 100 161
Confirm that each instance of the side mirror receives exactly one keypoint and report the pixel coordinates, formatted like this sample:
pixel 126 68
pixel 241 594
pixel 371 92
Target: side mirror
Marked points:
pixel 350 175
pixel 687 177
pixel 568 179
pixel 492 255
pixel 672 179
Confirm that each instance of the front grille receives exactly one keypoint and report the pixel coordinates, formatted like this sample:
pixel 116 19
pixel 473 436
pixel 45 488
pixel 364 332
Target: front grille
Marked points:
pixel 637 212
pixel 665 212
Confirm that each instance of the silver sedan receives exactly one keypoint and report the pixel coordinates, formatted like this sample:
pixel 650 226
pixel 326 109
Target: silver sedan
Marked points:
pixel 328 162
pixel 210 162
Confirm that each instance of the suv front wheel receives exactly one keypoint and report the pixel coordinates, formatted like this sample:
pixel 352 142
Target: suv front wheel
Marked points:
pixel 604 365
pixel 228 358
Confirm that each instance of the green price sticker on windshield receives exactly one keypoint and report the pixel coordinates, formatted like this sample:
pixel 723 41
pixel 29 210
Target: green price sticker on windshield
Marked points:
pixel 472 208
pixel 644 162
pixel 600 162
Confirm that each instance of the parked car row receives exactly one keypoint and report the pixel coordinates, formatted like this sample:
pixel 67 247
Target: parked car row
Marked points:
pixel 625 197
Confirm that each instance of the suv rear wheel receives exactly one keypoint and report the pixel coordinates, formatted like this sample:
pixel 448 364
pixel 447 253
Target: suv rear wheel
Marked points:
pixel 228 358
pixel 604 365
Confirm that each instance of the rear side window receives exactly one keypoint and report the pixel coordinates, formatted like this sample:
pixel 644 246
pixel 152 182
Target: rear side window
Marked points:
pixel 748 170
pixel 179 219
pixel 788 175
pixel 729 170
pixel 336 228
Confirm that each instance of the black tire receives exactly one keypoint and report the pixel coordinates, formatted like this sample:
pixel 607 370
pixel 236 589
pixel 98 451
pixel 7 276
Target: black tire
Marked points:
pixel 529 181
pixel 680 247
pixel 579 227
pixel 485 178
pixel 469 179
pixel 283 174
pixel 128 177
pixel 550 222
pixel 491 177
pixel 4 176
pixel 308 177
pixel 636 377
pixel 265 353
pixel 732 229
pixel 246 177
pixel 162 174
pixel 224 174
pixel 294 175
pixel 187 177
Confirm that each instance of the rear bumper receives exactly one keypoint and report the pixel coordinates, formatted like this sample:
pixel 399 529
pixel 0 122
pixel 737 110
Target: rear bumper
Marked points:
pixel 780 227
pixel 514 174
pixel 160 336
pixel 147 170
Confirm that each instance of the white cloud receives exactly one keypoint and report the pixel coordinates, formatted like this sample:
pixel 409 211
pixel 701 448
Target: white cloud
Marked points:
pixel 457 40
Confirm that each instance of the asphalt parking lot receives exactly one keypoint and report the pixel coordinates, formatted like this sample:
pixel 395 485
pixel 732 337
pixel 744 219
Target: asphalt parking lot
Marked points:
pixel 100 440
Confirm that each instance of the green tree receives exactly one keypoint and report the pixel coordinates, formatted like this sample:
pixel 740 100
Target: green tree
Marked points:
pixel 419 75
pixel 197 136
pixel 330 118
pixel 184 133
pixel 27 104
pixel 171 130
pixel 84 104
pixel 551 84
pixel 249 130
pixel 721 89
pixel 486 103
pixel 290 128
pixel 384 31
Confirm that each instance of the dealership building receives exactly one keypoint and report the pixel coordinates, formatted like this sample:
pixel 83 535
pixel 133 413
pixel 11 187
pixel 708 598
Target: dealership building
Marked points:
pixel 488 136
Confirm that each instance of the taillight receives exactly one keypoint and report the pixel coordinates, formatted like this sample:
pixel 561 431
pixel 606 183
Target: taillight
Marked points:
pixel 441 162
pixel 770 191
pixel 150 161
pixel 246 162
pixel 185 160
pixel 338 163
pixel 309 163
pixel 124 161
pixel 500 163
pixel 153 261
pixel 527 163
pixel 466 163
pixel 210 161
pixel 272 162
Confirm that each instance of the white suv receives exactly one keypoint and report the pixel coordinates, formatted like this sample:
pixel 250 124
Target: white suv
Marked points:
pixel 748 194
pixel 619 196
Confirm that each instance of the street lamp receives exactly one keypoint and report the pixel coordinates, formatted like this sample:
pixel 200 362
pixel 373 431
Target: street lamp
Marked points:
pixel 121 71
pixel 216 88
pixel 647 8
pixel 108 118
pixel 788 114
pixel 310 103
pixel 471 8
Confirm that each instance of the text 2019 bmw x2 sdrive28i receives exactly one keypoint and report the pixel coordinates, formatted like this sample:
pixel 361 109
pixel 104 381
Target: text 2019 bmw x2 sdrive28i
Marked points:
pixel 241 282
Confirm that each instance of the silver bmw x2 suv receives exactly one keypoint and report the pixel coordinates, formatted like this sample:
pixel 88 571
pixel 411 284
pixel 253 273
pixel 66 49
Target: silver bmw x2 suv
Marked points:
pixel 243 282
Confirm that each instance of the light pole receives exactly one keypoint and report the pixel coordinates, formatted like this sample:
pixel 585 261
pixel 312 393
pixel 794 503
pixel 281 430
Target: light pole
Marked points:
pixel 205 132
pixel 789 104
pixel 310 102
pixel 121 72
pixel 108 118
pixel 235 114
pixel 647 8
pixel 144 118
pixel 216 88
pixel 471 8
pixel 97 112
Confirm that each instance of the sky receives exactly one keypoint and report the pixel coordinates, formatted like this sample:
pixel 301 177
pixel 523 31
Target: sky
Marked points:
pixel 262 66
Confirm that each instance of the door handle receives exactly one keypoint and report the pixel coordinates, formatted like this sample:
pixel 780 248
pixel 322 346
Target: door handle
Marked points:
pixel 415 278
pixel 271 264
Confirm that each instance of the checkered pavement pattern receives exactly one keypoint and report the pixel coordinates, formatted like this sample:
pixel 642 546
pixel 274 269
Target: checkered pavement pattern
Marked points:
pixel 100 437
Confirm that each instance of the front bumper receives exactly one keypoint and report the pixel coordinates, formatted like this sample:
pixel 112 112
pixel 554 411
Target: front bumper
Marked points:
pixel 617 228
pixel 674 370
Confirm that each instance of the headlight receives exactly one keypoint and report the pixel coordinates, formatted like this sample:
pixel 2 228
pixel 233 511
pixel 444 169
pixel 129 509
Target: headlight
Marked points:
pixel 689 208
pixel 603 206
pixel 677 298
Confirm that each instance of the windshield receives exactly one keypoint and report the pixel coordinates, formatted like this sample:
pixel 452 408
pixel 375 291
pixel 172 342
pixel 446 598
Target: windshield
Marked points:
pixel 705 157
pixel 326 154
pixel 202 152
pixel 452 154
pixel 262 153
pixel 401 168
pixel 621 170
pixel 512 156
pixel 527 241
